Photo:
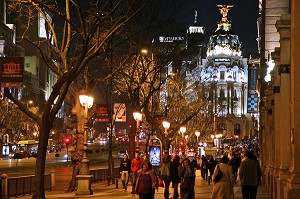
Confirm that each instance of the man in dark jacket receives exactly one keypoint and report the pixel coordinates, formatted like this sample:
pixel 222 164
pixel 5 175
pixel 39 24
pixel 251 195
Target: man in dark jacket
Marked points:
pixel 250 174
pixel 175 176
pixel 125 167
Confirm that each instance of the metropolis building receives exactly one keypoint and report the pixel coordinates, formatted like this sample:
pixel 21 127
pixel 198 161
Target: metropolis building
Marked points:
pixel 224 75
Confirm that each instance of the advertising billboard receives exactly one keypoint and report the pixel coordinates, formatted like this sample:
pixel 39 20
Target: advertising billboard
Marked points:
pixel 155 154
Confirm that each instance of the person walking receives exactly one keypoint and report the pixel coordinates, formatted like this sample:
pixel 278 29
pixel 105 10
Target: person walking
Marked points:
pixel 146 181
pixel 223 189
pixel 125 167
pixel 235 163
pixel 203 167
pixel 250 175
pixel 135 167
pixel 174 175
pixel 211 164
pixel 164 173
pixel 187 182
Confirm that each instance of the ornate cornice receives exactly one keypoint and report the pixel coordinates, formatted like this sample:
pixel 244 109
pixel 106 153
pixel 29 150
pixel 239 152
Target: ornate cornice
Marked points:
pixel 284 68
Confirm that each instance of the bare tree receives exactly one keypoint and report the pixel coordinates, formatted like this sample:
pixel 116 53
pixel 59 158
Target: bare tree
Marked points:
pixel 76 31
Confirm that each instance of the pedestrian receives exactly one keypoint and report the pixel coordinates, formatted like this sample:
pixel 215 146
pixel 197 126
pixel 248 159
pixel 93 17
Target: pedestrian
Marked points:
pixel 223 189
pixel 195 162
pixel 187 182
pixel 211 164
pixel 135 167
pixel 250 175
pixel 146 181
pixel 125 167
pixel 203 167
pixel 174 175
pixel 164 173
pixel 235 163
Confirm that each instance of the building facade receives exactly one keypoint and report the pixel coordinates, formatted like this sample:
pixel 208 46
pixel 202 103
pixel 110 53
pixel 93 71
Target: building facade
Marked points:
pixel 280 99
pixel 224 75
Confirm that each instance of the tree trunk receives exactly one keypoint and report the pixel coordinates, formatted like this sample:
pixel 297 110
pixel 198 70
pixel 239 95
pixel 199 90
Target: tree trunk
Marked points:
pixel 41 159
pixel 132 139
pixel 72 185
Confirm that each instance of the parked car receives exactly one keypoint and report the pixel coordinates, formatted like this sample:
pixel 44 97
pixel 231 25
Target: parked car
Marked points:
pixel 121 153
pixel 19 155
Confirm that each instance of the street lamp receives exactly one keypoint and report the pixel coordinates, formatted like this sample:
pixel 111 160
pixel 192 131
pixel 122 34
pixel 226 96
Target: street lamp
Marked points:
pixel 166 126
pixel 29 102
pixel 84 185
pixel 138 117
pixel 182 130
pixel 197 133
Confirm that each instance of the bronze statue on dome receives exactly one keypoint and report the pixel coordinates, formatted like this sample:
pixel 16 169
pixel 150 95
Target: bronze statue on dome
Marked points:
pixel 224 9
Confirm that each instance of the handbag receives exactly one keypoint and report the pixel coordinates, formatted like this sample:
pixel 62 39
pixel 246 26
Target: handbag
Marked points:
pixel 219 174
pixel 160 182
pixel 185 183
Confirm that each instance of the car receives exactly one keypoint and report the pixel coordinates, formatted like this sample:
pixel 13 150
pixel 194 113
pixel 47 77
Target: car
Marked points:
pixel 19 155
pixel 121 153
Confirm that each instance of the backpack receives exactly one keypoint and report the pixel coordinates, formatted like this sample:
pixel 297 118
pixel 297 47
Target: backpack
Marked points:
pixel 164 171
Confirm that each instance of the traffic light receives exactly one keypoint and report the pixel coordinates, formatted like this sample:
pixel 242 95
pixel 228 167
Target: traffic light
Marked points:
pixel 181 143
pixel 67 141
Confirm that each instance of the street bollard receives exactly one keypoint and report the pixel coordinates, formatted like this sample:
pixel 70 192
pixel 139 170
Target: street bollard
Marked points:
pixel 117 183
pixel 52 180
pixel 4 193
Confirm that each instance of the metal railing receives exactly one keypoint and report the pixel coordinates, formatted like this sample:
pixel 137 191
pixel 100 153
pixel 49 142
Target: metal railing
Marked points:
pixel 23 185
pixel 100 175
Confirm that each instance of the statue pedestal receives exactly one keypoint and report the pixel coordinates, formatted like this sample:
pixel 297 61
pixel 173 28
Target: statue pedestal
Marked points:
pixel 84 185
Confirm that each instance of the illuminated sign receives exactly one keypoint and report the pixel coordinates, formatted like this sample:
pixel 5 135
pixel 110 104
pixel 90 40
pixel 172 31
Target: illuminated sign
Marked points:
pixel 222 59
pixel 252 100
pixel 11 71
pixel 163 39
pixel 154 155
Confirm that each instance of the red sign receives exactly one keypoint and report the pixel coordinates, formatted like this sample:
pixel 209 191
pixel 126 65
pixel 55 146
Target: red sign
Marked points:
pixel 11 71
pixel 102 113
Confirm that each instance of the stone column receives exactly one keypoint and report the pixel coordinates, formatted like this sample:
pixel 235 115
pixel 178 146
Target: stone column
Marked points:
pixel 283 27
pixel 276 104
pixel 292 190
pixel 268 138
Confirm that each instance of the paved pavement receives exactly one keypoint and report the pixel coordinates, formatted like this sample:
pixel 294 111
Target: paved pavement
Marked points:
pixel 103 191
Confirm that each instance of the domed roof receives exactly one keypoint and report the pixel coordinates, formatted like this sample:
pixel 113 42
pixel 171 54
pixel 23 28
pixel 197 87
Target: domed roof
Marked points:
pixel 224 42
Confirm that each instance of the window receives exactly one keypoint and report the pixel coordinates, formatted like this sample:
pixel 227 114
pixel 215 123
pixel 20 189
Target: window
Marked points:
pixel 234 75
pixel 222 75
pixel 221 126
pixel 237 129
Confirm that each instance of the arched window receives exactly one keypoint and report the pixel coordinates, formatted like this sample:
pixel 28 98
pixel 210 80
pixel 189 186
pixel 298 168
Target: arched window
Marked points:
pixel 237 129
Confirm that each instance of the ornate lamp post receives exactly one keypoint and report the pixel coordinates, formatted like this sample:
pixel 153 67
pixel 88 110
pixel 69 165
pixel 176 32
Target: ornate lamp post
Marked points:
pixel 138 117
pixel 197 133
pixel 182 130
pixel 166 126
pixel 84 185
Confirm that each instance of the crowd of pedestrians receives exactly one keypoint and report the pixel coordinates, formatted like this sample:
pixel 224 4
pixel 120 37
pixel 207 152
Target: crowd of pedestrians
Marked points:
pixel 178 173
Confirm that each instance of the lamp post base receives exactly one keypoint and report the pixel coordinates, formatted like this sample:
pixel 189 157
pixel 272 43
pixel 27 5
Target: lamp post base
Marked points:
pixel 84 185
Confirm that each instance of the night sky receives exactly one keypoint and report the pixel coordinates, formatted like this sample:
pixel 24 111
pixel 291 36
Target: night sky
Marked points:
pixel 243 16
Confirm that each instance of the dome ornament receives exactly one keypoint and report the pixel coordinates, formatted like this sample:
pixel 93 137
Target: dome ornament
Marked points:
pixel 224 9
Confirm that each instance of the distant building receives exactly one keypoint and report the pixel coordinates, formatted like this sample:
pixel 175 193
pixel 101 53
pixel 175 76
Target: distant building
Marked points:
pixel 224 75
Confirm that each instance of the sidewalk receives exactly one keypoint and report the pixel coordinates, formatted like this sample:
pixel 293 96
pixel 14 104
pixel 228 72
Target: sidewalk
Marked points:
pixel 103 191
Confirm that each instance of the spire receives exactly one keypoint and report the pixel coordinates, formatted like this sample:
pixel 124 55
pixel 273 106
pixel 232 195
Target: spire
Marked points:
pixel 224 9
pixel 196 15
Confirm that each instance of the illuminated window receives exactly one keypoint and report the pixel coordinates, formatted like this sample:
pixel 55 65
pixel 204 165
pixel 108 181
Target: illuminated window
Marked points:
pixel 222 75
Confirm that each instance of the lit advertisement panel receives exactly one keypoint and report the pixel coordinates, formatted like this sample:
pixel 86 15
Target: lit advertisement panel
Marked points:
pixel 154 155
pixel 252 100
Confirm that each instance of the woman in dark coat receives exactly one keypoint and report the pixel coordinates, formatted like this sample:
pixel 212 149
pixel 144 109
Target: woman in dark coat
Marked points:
pixel 223 189
pixel 211 168
pixel 187 174
pixel 174 175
